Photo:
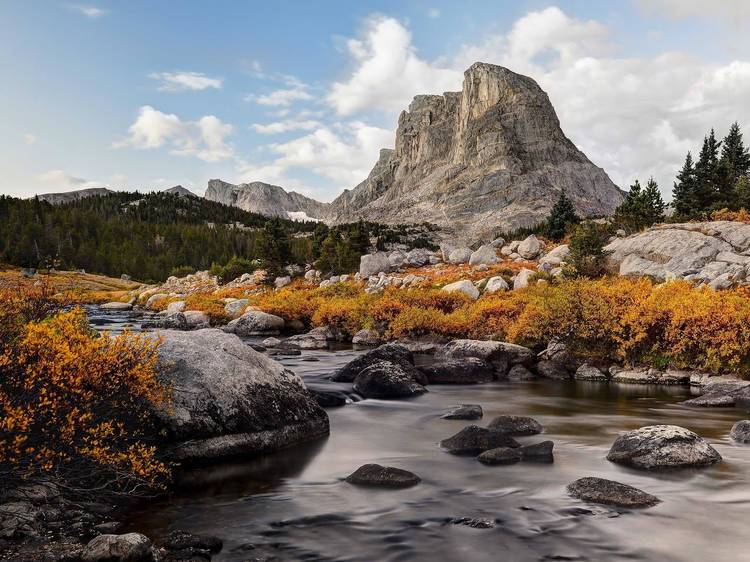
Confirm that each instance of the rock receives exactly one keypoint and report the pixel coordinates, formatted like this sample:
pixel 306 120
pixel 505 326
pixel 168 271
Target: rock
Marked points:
pixel 497 243
pixel 473 522
pixel 311 275
pixel 662 446
pixel 501 355
pixel 609 492
pixel 182 540
pixel 131 547
pixel 418 257
pixel 125 277
pixel 153 299
pixel 496 284
pixel 280 282
pixel 500 455
pixel 722 394
pixel 587 372
pixel 175 307
pixel 384 379
pixel 552 370
pixel 529 248
pixel 649 376
pixel 196 319
pixel 464 286
pixel 396 259
pixel 176 321
pixel 19 519
pixel 538 452
pixel 116 306
pixel 383 477
pixel 556 256
pixel 317 338
pixel 459 256
pixel 516 425
pixel 520 373
pixel 271 342
pixel 329 399
pixel 255 323
pixel 366 337
pixel 236 308
pixel 392 352
pixel 521 280
pixel 741 431
pixel 466 370
pixel 372 264
pixel 228 399
pixel 484 255
pixel 473 440
pixel 464 412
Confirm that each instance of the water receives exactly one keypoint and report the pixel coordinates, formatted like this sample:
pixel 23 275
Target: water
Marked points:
pixel 293 504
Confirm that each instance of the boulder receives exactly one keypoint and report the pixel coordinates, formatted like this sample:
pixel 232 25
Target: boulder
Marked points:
pixel 722 394
pixel 552 370
pixel 419 257
pixel 609 492
pixel 228 399
pixel 556 256
pixel 473 440
pixel 317 338
pixel 501 355
pixel 383 477
pixel 466 370
pixel 116 306
pixel 280 282
pixel 396 259
pixel 175 321
pixel 587 372
pixel 255 323
pixel 372 264
pixel 662 446
pixel 529 248
pixel 484 255
pixel 520 373
pixel 538 452
pixel 366 337
pixel 196 319
pixel 384 379
pixel 464 412
pixel 459 255
pixel 175 307
pixel 181 541
pixel 500 455
pixel 153 299
pixel 521 280
pixel 392 352
pixel 464 286
pixel 496 284
pixel 649 376
pixel 236 308
pixel 741 431
pixel 515 425
pixel 131 547
pixel 498 243
pixel 271 342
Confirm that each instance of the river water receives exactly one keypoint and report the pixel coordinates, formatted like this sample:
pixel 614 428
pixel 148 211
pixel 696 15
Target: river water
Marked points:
pixel 293 505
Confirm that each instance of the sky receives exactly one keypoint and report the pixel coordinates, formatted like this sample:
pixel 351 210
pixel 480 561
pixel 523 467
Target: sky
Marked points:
pixel 148 94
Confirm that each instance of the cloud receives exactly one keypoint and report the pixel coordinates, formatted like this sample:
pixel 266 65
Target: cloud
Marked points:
pixel 285 126
pixel 204 139
pixel 182 81
pixel 731 10
pixel 29 139
pixel 387 71
pixel 91 12
pixel 433 13
pixel 60 178
pixel 284 97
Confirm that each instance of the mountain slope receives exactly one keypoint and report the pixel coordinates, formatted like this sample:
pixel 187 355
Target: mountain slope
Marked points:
pixel 68 196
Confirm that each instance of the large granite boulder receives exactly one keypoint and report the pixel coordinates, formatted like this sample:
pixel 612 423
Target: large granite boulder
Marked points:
pixel 131 547
pixel 255 323
pixel 495 285
pixel 484 255
pixel 609 492
pixel 464 286
pixel 228 399
pixel 741 431
pixel 474 440
pixel 384 379
pixel 516 425
pixel 529 248
pixel 501 355
pixel 467 370
pixel 236 307
pixel 419 257
pixel 392 352
pixel 662 446
pixel 459 255
pixel 372 264
pixel 522 278
pixel 722 394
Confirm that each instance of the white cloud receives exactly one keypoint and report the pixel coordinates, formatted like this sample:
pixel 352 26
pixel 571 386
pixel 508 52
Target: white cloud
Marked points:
pixel 91 12
pixel 204 139
pixel 387 71
pixel 282 97
pixel 29 139
pixel 62 179
pixel 433 13
pixel 731 10
pixel 285 126
pixel 181 81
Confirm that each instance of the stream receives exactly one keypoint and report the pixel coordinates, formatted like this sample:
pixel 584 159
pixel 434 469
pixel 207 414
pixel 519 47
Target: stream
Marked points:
pixel 293 504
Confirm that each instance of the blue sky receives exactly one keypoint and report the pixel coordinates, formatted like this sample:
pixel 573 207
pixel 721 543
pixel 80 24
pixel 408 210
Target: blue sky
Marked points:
pixel 303 94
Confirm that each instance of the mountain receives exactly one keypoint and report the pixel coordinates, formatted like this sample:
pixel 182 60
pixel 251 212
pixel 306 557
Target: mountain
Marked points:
pixel 180 191
pixel 490 157
pixel 266 199
pixel 68 196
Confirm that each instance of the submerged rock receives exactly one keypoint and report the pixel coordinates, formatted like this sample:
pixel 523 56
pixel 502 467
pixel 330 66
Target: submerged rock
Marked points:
pixel 538 452
pixel 383 476
pixel 473 522
pixel 609 492
pixel 520 373
pixel 467 370
pixel 393 352
pixel 473 440
pixel 552 370
pixel 179 540
pixel 662 446
pixel 384 379
pixel 722 394
pixel 228 399
pixel 464 412
pixel 500 455
pixel 116 306
pixel 516 425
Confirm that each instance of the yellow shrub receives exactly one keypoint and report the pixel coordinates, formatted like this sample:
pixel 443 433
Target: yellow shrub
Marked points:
pixel 413 322
pixel 210 304
pixel 343 315
pixel 290 304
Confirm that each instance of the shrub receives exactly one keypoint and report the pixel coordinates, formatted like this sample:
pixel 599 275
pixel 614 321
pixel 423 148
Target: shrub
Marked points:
pixel 182 271
pixel 75 405
pixel 210 304
pixel 290 303
pixel 343 315
pixel 233 269
pixel 587 255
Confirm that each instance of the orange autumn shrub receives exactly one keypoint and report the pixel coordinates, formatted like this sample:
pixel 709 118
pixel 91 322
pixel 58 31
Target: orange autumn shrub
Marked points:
pixel 736 216
pixel 343 315
pixel 291 304
pixel 210 305
pixel 76 405
pixel 432 298
pixel 413 322
pixel 491 316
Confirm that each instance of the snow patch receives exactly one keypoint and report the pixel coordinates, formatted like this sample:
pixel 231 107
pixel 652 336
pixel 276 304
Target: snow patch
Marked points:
pixel 300 216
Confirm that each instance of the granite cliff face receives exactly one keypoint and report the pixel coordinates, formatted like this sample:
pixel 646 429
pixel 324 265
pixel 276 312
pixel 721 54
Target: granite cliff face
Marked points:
pixel 266 199
pixel 491 156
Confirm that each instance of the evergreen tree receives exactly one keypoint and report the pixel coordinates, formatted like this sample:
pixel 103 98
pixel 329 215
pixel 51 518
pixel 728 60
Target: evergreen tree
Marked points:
pixel 562 215
pixel 735 159
pixel 742 193
pixel 328 262
pixel 684 188
pixel 631 213
pixel 707 175
pixel 653 203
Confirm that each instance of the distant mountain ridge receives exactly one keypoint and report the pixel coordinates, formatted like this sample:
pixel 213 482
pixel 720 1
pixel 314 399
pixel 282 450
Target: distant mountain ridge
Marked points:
pixel 68 196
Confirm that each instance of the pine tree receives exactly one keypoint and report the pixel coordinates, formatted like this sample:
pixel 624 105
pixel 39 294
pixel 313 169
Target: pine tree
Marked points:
pixel 631 212
pixel 328 261
pixel 684 187
pixel 735 159
pixel 707 175
pixel 562 215
pixel 742 193
pixel 653 203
